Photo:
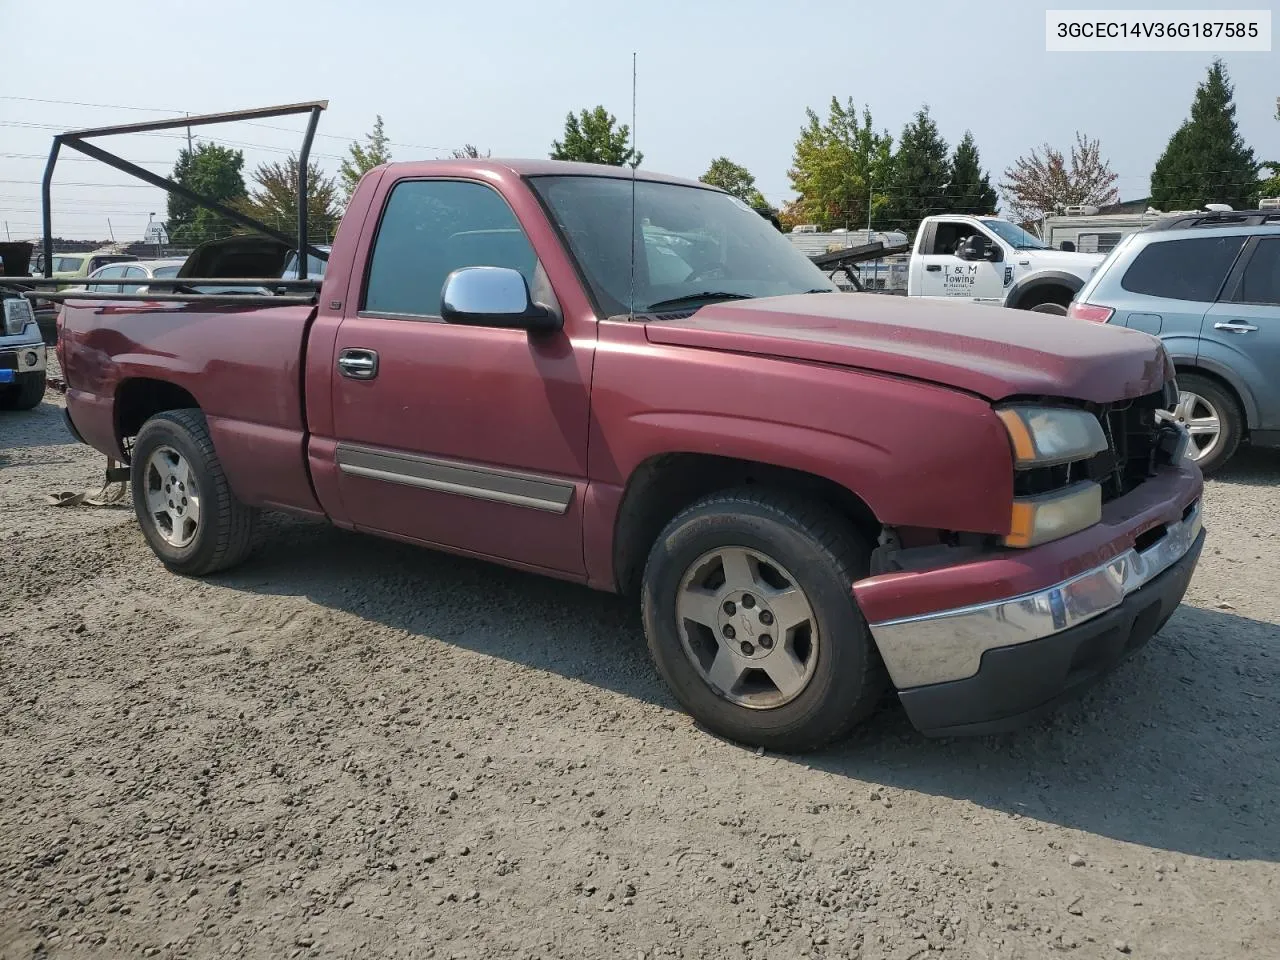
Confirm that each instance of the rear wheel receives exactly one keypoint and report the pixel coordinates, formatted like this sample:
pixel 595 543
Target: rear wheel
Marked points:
pixel 1212 417
pixel 751 622
pixel 188 514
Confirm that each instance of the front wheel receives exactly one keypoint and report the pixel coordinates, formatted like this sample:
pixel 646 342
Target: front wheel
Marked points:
pixel 26 394
pixel 188 514
pixel 751 622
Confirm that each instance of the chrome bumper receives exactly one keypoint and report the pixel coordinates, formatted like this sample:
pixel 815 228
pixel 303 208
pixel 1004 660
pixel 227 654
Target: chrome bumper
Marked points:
pixel 948 645
pixel 23 354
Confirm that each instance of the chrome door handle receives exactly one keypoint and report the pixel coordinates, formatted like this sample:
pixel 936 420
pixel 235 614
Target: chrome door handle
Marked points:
pixel 357 364
pixel 1235 327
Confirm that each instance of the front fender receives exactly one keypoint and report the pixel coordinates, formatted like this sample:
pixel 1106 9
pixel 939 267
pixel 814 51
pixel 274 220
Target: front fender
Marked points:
pixel 916 453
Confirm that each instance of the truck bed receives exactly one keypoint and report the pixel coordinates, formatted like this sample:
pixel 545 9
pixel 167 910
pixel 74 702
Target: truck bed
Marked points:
pixel 241 365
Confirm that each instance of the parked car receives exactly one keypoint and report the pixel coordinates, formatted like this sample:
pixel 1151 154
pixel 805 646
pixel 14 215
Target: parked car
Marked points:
pixel 77 266
pixel 22 354
pixel 129 277
pixel 812 494
pixel 22 348
pixel 994 261
pixel 1208 285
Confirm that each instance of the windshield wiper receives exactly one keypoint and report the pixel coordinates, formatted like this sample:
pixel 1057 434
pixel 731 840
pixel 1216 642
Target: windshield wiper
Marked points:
pixel 689 298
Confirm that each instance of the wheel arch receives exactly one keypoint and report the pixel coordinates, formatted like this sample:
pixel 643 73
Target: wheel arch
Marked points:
pixel 1031 289
pixel 1227 381
pixel 664 484
pixel 137 399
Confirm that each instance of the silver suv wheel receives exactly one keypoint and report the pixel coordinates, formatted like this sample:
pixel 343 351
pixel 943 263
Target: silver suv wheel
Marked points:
pixel 1203 421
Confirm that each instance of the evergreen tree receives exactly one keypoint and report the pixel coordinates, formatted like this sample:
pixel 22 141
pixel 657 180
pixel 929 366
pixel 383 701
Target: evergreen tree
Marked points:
pixel 1206 161
pixel 593 137
pixel 211 171
pixel 362 159
pixel 970 190
pixel 921 172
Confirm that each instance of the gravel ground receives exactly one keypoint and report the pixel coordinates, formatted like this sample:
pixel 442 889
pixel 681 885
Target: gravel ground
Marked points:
pixel 351 748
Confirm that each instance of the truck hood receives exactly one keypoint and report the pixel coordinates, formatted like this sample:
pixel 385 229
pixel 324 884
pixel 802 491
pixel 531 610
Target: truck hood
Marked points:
pixel 995 352
pixel 1081 264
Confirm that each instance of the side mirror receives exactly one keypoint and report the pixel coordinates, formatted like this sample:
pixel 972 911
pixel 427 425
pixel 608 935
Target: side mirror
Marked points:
pixel 1068 246
pixel 993 252
pixel 493 297
pixel 973 248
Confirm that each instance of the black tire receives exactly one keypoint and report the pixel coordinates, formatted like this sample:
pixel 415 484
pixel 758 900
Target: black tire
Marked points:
pixel 224 536
pixel 26 394
pixel 1056 309
pixel 1230 416
pixel 824 555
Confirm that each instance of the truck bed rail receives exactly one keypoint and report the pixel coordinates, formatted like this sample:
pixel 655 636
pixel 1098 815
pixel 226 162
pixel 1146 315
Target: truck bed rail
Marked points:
pixel 276 291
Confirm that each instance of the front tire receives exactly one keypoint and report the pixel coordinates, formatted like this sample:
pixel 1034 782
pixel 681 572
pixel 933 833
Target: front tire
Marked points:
pixel 750 620
pixel 1057 309
pixel 188 514
pixel 26 394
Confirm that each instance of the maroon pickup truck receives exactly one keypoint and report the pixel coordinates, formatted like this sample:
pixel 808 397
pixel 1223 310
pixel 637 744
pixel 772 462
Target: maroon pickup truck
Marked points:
pixel 643 387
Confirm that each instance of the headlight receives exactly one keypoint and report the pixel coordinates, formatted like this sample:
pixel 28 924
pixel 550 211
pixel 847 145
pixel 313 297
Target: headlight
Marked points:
pixel 1049 516
pixel 17 314
pixel 1045 436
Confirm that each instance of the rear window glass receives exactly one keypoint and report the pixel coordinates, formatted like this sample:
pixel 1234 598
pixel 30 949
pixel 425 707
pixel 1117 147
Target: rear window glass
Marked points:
pixel 1261 280
pixel 168 271
pixel 1191 269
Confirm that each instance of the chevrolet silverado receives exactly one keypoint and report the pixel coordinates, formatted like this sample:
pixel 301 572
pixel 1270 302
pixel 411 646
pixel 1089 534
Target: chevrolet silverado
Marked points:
pixel 634 382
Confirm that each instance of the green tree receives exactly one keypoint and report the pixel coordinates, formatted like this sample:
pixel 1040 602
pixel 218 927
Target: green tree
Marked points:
pixel 1270 187
pixel 836 165
pixel 274 199
pixel 735 179
pixel 921 173
pixel 970 190
pixel 363 158
pixel 1206 161
pixel 591 137
pixel 211 171
pixel 1037 185
pixel 470 151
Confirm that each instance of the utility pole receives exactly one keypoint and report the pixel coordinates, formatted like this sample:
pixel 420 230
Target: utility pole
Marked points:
pixel 190 150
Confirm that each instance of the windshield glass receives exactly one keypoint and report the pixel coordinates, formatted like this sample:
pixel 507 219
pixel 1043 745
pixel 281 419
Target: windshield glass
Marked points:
pixel 67 264
pixel 688 242
pixel 1014 235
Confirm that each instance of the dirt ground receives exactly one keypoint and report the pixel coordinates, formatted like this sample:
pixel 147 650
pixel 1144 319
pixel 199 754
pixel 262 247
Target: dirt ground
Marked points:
pixel 352 748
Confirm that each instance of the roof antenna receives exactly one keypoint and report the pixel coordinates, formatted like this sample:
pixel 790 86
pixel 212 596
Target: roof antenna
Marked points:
pixel 631 307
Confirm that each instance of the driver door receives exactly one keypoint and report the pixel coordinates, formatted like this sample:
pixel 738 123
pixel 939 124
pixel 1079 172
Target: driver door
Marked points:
pixel 946 276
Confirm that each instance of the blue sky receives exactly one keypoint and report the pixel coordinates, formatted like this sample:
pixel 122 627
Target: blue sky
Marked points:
pixel 715 77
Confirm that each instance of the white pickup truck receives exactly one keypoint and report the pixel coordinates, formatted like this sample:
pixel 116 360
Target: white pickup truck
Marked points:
pixel 995 261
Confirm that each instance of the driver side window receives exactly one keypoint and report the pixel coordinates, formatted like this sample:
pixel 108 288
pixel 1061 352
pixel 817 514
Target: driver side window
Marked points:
pixel 948 237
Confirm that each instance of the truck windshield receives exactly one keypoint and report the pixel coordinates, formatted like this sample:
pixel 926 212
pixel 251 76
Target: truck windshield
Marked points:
pixel 1013 235
pixel 692 246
